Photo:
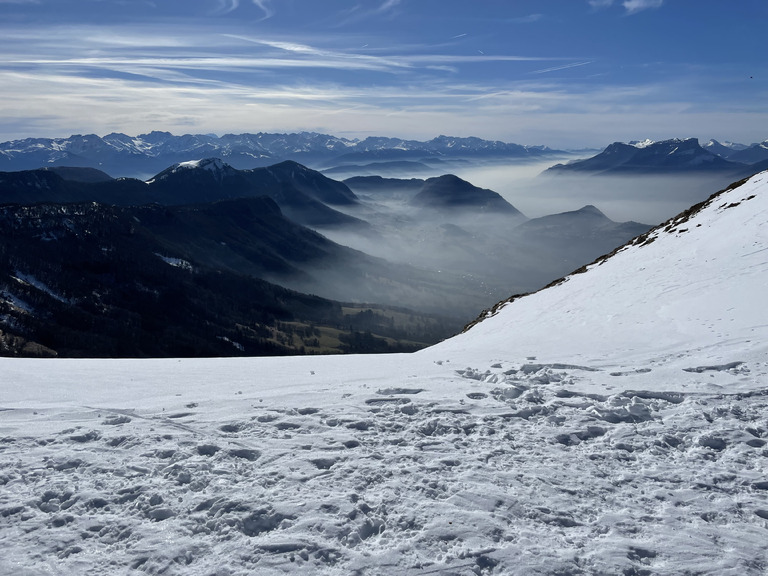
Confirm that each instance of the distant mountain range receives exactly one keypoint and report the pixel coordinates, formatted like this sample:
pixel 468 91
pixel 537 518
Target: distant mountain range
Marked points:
pixel 670 157
pixel 146 154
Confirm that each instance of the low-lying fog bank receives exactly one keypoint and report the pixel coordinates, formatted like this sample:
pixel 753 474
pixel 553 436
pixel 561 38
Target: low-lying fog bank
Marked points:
pixel 651 199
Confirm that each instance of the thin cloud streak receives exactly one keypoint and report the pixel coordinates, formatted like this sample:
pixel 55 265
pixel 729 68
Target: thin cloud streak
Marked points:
pixel 388 5
pixel 56 41
pixel 631 6
pixel 154 52
pixel 526 19
pixel 563 67
pixel 358 14
pixel 220 64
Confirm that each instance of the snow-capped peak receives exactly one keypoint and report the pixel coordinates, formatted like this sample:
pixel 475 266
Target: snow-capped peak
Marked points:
pixel 210 164
pixel 648 142
pixel 215 166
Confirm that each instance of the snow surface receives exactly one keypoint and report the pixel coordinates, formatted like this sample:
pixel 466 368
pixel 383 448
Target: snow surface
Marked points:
pixel 210 164
pixel 615 423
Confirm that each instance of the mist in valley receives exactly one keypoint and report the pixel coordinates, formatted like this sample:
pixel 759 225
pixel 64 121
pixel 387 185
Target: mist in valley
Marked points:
pixel 650 199
pixel 475 256
pixel 468 258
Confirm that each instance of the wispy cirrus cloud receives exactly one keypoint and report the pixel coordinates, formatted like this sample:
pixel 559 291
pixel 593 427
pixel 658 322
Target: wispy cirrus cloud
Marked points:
pixel 631 6
pixel 359 13
pixel 526 19
pixel 266 7
pixel 143 51
pixel 388 5
pixel 228 6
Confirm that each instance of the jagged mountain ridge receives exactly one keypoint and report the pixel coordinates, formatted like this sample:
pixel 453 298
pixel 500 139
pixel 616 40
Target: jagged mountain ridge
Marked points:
pixel 723 149
pixel 147 154
pixel 665 157
pixel 751 155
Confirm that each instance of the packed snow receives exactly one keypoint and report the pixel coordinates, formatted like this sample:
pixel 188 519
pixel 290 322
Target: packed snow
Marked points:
pixel 615 423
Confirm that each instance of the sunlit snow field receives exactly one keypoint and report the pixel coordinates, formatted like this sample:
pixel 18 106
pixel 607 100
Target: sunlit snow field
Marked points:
pixel 616 423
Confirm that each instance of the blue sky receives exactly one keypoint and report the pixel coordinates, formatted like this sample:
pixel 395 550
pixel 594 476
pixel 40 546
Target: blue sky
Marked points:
pixel 565 73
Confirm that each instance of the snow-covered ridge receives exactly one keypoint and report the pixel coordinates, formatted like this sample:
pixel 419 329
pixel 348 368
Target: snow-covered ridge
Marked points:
pixel 210 164
pixel 726 144
pixel 672 141
pixel 660 265
pixel 216 166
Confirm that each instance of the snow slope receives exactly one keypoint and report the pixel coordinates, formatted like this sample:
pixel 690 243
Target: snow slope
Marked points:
pixel 615 423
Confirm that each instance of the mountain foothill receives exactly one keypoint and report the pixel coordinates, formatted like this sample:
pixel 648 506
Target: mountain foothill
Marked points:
pixel 205 259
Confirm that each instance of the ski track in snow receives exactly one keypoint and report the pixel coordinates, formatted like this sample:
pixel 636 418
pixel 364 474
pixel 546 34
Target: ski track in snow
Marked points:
pixel 618 427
